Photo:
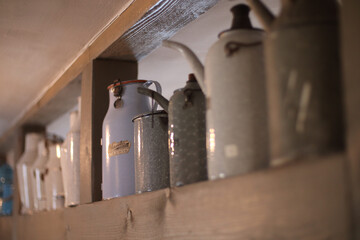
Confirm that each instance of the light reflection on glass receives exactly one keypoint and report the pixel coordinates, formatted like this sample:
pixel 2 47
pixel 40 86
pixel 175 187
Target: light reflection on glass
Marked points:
pixel 212 140
pixel 107 142
pixel 58 154
pixel 72 149
pixel 171 140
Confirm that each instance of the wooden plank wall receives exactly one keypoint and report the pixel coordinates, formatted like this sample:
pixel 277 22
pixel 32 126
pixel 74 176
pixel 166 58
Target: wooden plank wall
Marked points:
pixel 305 200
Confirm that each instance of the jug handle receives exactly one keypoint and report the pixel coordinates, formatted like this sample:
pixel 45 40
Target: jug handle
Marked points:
pixel 158 89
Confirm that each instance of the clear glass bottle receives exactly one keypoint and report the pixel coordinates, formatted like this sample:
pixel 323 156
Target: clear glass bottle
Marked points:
pixel 70 163
pixel 53 179
pixel 39 177
pixel 24 172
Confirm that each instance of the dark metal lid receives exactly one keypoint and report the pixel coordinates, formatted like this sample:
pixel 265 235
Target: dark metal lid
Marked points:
pixel 158 112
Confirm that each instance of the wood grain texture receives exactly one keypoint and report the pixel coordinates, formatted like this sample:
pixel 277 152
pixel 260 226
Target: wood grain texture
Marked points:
pixel 350 38
pixel 42 226
pixel 304 200
pixel 5 228
pixel 161 22
pixel 149 24
pixel 95 97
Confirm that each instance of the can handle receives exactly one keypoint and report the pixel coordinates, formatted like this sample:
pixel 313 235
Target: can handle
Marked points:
pixel 158 89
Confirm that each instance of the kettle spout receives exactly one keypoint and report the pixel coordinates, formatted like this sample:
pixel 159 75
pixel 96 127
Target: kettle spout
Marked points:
pixel 163 102
pixel 262 12
pixel 193 60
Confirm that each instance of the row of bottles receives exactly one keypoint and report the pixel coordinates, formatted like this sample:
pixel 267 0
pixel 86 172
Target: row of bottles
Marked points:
pixel 48 171
pixel 268 97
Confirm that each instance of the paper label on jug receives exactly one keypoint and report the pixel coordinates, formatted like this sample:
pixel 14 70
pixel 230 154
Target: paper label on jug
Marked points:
pixel 117 148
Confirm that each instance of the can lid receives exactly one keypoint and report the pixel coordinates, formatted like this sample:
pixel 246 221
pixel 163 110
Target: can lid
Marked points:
pixel 118 83
pixel 158 112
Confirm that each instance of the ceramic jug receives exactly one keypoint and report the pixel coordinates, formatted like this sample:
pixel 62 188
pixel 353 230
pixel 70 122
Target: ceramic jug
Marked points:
pixel 118 172
pixel 38 176
pixel 151 151
pixel 70 161
pixel 303 74
pixel 187 132
pixel 233 81
pixel 53 179
pixel 25 173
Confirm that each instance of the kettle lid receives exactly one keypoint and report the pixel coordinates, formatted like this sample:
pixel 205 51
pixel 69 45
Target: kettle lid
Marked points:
pixel 241 18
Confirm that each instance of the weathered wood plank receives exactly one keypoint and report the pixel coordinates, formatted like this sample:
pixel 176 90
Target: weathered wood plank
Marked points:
pixel 96 77
pixel 161 22
pixel 42 226
pixel 5 228
pixel 350 38
pixel 304 200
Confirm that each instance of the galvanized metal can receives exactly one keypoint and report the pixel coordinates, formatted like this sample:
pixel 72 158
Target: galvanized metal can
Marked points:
pixel 151 151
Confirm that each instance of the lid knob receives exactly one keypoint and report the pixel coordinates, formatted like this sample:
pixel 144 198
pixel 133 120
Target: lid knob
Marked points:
pixel 241 18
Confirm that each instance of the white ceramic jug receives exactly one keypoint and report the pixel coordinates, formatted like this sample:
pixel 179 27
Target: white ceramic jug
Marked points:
pixel 233 81
pixel 53 179
pixel 118 170
pixel 39 169
pixel 24 172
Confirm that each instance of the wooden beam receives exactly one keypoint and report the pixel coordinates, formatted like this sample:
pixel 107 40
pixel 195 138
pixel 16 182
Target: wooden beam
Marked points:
pixel 94 104
pixel 305 200
pixel 149 24
pixel 350 38
pixel 161 22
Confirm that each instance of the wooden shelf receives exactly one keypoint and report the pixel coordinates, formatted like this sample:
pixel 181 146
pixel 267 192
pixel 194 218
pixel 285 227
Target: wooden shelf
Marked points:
pixel 134 34
pixel 303 200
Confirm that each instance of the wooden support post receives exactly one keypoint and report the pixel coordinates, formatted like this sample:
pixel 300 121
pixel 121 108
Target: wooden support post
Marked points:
pixel 94 104
pixel 350 19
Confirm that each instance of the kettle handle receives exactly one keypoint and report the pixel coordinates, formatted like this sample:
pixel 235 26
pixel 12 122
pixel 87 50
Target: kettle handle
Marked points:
pixel 158 89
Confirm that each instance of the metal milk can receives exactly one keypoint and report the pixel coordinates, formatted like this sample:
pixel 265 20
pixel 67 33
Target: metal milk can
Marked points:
pixel 151 151
pixel 118 172
pixel 303 71
pixel 187 132
pixel 233 81
pixel 55 197
pixel 25 173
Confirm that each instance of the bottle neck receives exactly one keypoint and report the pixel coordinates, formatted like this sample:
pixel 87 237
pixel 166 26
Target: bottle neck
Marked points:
pixel 31 141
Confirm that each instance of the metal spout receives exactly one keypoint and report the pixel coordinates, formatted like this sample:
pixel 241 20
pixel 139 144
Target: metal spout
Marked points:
pixel 193 60
pixel 264 15
pixel 163 102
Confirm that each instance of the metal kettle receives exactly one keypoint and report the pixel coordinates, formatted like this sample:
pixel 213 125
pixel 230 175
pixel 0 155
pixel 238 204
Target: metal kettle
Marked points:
pixel 233 81
pixel 303 78
pixel 187 132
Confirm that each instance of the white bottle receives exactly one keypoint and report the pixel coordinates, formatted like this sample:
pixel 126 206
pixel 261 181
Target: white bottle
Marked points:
pixel 24 172
pixel 53 179
pixel 39 169
pixel 70 163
